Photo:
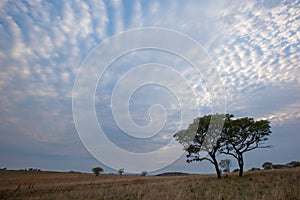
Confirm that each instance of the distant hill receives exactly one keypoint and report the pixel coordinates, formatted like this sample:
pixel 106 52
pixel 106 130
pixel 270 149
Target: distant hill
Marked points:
pixel 173 174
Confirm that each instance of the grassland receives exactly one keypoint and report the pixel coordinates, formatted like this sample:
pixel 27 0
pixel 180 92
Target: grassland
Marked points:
pixel 270 184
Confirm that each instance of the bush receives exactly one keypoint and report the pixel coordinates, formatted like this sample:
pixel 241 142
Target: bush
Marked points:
pixel 293 164
pixel 97 170
pixel 254 169
pixel 267 165
pixel 278 166
pixel 121 171
pixel 144 173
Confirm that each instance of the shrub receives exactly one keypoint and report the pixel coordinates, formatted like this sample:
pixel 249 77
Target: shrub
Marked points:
pixel 144 173
pixel 97 170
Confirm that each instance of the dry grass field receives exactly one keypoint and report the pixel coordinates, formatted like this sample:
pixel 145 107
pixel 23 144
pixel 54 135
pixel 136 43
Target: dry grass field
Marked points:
pixel 272 184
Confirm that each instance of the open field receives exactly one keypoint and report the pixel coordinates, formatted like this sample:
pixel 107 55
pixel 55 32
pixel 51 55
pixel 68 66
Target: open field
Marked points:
pixel 272 184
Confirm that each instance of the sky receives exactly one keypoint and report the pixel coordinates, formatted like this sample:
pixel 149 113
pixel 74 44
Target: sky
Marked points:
pixel 145 95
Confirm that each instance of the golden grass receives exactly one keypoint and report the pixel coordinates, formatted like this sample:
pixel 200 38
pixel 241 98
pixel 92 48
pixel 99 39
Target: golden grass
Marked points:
pixel 263 185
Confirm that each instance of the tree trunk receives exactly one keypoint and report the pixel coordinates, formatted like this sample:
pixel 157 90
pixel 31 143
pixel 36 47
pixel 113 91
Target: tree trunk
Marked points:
pixel 215 162
pixel 241 165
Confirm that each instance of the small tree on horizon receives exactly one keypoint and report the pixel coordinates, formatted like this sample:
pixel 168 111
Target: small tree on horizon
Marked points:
pixel 293 164
pixel 225 165
pixel 97 170
pixel 144 173
pixel 267 165
pixel 121 171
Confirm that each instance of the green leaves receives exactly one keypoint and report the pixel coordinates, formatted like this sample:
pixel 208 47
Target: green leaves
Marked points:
pixel 245 134
pixel 97 170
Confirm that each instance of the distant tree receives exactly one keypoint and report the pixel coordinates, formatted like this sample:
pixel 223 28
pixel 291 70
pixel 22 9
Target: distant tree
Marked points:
pixel 144 173
pixel 97 170
pixel 293 164
pixel 203 136
pixel 243 135
pixel 267 165
pixel 225 165
pixel 254 169
pixel 121 171
pixel 279 166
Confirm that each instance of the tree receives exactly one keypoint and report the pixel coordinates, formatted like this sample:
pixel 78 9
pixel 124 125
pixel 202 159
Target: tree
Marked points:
pixel 279 166
pixel 97 170
pixel 203 135
pixel 267 165
pixel 144 173
pixel 225 164
pixel 121 171
pixel 293 164
pixel 243 135
pixel 254 169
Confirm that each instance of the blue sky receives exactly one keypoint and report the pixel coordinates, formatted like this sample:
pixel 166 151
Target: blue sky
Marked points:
pixel 254 45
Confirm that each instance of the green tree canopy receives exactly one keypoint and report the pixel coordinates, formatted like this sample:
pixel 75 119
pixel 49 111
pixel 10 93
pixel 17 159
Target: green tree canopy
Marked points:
pixel 144 173
pixel 267 165
pixel 235 137
pixel 243 135
pixel 203 137
pixel 121 171
pixel 97 170
pixel 293 164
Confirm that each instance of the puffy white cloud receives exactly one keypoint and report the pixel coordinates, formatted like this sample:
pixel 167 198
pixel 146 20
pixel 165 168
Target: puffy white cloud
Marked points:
pixel 118 16
pixel 258 52
pixel 99 19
